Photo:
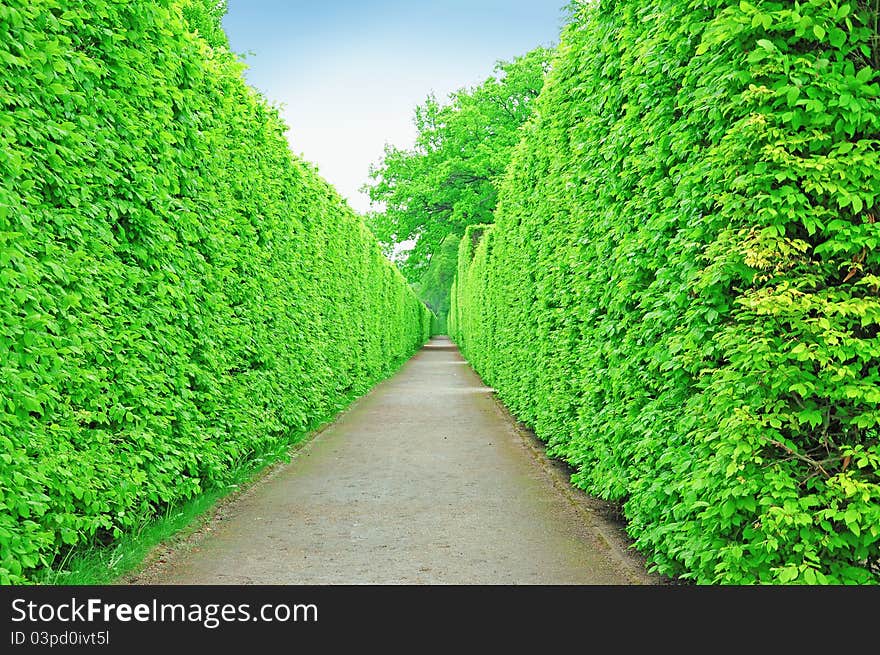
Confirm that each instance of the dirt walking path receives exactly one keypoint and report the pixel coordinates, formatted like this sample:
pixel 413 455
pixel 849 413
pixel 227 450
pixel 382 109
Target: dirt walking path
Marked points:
pixel 426 480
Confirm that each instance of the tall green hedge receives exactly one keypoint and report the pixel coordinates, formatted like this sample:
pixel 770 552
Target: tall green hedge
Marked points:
pixel 179 295
pixel 680 293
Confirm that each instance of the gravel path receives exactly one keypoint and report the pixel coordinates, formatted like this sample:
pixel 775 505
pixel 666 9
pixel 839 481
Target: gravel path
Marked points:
pixel 426 480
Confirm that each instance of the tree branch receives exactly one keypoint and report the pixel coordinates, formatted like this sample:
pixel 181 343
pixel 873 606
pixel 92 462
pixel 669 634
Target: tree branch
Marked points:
pixel 804 458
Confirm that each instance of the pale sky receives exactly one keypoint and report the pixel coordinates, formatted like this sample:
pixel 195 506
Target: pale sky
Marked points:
pixel 348 74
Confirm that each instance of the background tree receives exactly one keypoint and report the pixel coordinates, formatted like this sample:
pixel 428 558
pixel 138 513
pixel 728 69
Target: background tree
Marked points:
pixel 448 180
pixel 434 284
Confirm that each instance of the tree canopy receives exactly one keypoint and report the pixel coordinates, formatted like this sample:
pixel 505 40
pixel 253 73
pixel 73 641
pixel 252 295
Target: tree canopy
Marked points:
pixel 448 180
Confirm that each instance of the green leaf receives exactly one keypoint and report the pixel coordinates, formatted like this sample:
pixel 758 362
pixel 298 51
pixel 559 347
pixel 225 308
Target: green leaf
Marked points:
pixel 851 517
pixel 837 37
pixel 866 74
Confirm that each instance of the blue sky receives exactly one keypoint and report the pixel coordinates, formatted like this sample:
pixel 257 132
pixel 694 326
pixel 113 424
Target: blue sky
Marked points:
pixel 348 74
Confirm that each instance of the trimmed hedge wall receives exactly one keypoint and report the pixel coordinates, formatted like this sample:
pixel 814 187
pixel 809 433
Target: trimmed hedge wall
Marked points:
pixel 680 293
pixel 180 295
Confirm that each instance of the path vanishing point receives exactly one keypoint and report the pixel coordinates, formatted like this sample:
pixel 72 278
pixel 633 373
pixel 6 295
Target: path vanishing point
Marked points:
pixel 425 480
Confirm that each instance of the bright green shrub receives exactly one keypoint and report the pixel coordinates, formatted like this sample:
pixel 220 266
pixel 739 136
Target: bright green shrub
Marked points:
pixel 180 295
pixel 681 290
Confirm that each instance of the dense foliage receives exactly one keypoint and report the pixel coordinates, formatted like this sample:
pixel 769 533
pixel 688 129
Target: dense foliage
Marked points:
pixel 680 291
pixel 449 179
pixel 180 295
pixel 434 284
